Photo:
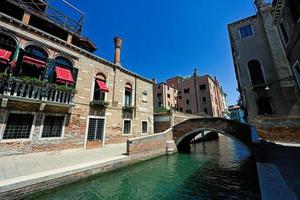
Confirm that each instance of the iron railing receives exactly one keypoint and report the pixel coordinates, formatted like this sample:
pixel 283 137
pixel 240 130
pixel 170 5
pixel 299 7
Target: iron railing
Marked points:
pixel 44 8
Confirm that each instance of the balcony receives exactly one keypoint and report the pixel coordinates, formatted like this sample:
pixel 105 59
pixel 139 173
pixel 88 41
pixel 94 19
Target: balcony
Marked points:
pixel 128 108
pixel 36 91
pixel 99 103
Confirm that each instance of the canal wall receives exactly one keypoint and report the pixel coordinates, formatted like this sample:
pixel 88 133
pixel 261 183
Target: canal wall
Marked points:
pixel 152 145
pixel 138 149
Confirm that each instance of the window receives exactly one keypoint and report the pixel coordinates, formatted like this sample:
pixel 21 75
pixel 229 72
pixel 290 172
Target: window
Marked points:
pixel 18 126
pixel 95 129
pixel 180 97
pixel 189 111
pixel 158 94
pixel 160 104
pixel 64 71
pixel 168 88
pixel 144 127
pixel 246 31
pixel 128 94
pixel 169 96
pixel 7 48
pixel 284 33
pixel 181 109
pixel 100 88
pixel 205 110
pixel 53 126
pixel 264 106
pixel 204 99
pixel 203 87
pixel 294 7
pixel 127 127
pixel 158 86
pixel 256 73
pixel 187 102
pixel 169 104
pixel 185 91
pixel 144 97
pixel 34 62
pixel 296 70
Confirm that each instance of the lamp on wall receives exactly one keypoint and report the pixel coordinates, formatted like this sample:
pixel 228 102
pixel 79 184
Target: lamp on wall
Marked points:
pixel 267 88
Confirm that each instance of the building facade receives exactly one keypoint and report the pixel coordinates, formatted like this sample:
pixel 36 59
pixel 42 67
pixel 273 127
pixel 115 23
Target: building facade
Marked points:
pixel 165 96
pixel 286 17
pixel 265 77
pixel 198 94
pixel 56 94
pixel 236 113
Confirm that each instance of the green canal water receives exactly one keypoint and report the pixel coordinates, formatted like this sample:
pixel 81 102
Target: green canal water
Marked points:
pixel 214 170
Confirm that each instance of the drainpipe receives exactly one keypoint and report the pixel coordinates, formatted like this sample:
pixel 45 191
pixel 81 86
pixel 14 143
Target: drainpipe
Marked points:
pixel 135 95
pixel 195 86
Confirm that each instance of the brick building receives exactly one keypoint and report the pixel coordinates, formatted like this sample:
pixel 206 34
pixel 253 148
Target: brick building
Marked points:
pixel 165 96
pixel 55 93
pixel 197 94
pixel 265 58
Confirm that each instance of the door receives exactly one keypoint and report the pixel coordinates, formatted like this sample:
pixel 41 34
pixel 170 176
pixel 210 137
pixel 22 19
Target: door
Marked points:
pixel 95 133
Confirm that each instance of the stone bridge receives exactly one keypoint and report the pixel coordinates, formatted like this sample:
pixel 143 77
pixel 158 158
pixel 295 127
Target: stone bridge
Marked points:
pixel 184 132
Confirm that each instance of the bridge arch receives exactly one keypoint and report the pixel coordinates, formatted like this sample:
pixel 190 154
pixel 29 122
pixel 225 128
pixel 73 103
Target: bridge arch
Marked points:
pixel 184 132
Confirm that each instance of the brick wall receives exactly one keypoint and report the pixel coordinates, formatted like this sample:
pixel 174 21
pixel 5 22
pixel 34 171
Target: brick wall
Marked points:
pixel 157 144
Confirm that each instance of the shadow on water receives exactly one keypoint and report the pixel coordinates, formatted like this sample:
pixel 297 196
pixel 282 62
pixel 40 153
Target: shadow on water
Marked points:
pixel 213 170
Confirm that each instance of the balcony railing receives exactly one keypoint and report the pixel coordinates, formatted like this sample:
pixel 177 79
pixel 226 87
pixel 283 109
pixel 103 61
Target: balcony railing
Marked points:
pixel 48 93
pixel 99 103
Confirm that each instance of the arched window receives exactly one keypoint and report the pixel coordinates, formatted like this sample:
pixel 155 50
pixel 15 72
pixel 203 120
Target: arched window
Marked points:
pixel 256 73
pixel 34 61
pixel 128 94
pixel 100 87
pixel 64 62
pixel 64 71
pixel 7 48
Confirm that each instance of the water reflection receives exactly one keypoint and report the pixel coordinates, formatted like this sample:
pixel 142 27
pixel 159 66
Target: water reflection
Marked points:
pixel 214 170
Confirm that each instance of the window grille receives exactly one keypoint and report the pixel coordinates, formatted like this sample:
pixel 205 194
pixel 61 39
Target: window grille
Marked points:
pixel 18 126
pixel 95 129
pixel 52 126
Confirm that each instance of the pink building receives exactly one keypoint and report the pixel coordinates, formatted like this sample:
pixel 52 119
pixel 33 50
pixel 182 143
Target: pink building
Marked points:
pixel 195 94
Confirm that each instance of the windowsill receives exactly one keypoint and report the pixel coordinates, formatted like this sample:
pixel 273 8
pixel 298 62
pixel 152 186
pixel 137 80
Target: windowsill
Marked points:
pixel 144 134
pixel 14 140
pixel 123 134
pixel 51 138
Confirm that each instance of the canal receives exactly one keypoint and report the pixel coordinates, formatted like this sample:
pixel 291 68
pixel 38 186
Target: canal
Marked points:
pixel 220 169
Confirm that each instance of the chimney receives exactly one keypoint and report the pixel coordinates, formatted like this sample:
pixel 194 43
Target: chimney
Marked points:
pixel 154 80
pixel 118 46
pixel 260 4
pixel 195 72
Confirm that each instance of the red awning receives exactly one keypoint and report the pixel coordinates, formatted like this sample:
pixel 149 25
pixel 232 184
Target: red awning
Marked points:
pixel 5 55
pixel 33 61
pixel 64 75
pixel 128 86
pixel 102 85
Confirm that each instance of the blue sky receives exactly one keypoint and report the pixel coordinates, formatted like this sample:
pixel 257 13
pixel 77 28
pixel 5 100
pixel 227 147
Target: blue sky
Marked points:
pixel 165 38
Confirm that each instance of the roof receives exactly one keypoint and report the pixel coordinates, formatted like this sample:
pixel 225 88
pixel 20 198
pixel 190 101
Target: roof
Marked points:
pixel 242 20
